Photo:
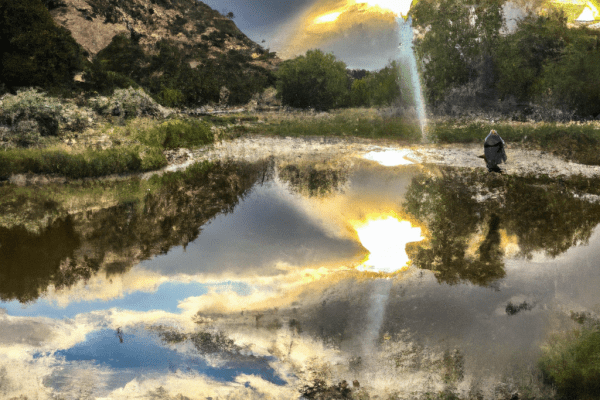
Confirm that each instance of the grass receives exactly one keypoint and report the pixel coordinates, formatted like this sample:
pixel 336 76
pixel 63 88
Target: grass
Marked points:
pixel 140 143
pixel 177 133
pixel 87 164
pixel 340 123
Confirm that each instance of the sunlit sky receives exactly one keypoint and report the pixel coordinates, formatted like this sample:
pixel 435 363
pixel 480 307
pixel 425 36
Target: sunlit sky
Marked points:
pixel 362 33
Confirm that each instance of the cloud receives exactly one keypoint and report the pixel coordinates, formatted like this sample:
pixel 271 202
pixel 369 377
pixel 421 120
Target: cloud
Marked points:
pixel 363 36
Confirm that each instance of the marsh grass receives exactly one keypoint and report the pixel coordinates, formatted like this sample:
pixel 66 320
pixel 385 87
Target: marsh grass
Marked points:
pixel 177 133
pixel 87 164
pixel 137 147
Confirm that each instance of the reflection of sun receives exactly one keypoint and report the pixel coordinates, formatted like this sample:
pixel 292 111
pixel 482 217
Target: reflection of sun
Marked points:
pixel 386 237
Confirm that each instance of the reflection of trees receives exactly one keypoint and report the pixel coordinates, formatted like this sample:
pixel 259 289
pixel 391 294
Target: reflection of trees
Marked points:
pixel 542 217
pixel 118 237
pixel 314 179
pixel 29 262
pixel 452 216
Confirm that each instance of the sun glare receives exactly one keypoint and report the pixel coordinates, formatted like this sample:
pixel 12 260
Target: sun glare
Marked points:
pixel 326 18
pixel 386 238
pixel 398 7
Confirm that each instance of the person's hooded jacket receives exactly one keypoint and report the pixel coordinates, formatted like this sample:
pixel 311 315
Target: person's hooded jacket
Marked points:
pixel 494 149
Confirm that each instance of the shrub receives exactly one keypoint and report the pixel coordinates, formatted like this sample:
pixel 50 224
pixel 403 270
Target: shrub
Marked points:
pixel 39 112
pixel 128 103
pixel 31 114
pixel 171 97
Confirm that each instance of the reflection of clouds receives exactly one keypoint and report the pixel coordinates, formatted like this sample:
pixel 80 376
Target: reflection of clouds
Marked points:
pixel 179 385
pixel 100 287
pixel 265 230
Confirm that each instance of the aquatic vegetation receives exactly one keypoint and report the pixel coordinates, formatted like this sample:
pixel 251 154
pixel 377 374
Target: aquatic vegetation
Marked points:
pixel 572 363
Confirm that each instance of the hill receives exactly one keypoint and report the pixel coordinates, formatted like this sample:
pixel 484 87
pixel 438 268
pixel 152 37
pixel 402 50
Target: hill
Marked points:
pixel 180 51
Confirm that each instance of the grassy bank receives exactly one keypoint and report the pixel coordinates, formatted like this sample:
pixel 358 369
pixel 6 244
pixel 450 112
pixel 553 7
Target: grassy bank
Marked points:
pixel 136 147
pixel 576 142
pixel 139 144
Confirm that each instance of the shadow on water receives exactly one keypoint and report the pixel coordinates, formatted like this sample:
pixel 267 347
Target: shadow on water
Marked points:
pixel 458 207
pixel 114 239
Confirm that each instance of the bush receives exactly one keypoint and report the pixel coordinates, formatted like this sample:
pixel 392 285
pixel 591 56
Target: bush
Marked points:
pixel 31 112
pixel 171 97
pixel 118 65
pixel 316 80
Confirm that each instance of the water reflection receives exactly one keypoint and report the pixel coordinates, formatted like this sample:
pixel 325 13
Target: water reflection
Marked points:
pixel 31 262
pixel 114 239
pixel 314 179
pixel 459 208
pixel 242 280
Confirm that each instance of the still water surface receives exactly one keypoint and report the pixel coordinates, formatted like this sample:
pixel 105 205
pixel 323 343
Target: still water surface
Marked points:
pixel 254 279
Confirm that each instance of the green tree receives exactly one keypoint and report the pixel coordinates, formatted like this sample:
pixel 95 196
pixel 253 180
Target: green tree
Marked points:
pixel 521 56
pixel 457 41
pixel 384 85
pixel 573 81
pixel 34 51
pixel 360 93
pixel 315 80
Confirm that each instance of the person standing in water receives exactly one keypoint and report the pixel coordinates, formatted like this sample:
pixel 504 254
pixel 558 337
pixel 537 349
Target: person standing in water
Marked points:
pixel 493 150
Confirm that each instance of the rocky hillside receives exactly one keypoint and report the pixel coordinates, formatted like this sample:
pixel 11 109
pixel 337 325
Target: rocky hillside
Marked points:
pixel 189 24
pixel 181 52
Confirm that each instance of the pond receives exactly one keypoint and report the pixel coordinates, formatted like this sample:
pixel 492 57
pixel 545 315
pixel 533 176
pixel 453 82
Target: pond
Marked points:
pixel 282 276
